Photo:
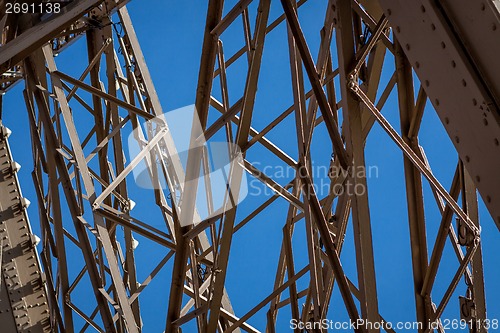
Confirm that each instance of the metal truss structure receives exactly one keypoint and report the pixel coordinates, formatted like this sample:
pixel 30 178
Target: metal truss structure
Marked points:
pixel 82 178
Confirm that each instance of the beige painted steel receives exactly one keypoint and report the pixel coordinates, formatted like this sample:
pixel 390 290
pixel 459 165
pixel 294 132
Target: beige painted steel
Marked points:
pixel 94 188
pixel 23 302
pixel 455 84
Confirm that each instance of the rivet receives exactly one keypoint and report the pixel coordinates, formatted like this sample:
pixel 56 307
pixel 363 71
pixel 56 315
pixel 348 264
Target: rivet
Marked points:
pixel 437 101
pixel 446 120
pixel 389 12
pixel 478 179
pixel 457 139
pixel 422 8
pixel 488 199
pixel 494 27
pixel 464 83
pixel 398 29
pixel 483 7
pixel 407 47
pixel 443 45
pixel 496 142
pixel 426 83
pixel 485 122
pixel 417 64
pixel 453 64
pixel 474 101
pixel 467 159
pixel 433 27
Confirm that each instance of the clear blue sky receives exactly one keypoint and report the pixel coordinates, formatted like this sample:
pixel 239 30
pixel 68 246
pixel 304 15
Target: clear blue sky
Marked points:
pixel 171 35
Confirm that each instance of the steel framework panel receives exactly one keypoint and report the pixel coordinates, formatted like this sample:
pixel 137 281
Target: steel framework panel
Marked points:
pixel 460 78
pixel 79 124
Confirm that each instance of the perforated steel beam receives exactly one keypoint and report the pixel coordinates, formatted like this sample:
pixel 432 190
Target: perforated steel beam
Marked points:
pixel 23 300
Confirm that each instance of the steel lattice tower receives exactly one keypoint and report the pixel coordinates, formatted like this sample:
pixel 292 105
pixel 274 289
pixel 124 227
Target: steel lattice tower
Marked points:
pixel 79 126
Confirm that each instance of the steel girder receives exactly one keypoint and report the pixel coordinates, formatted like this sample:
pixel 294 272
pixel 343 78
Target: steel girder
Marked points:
pixel 23 299
pixel 83 184
pixel 461 78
